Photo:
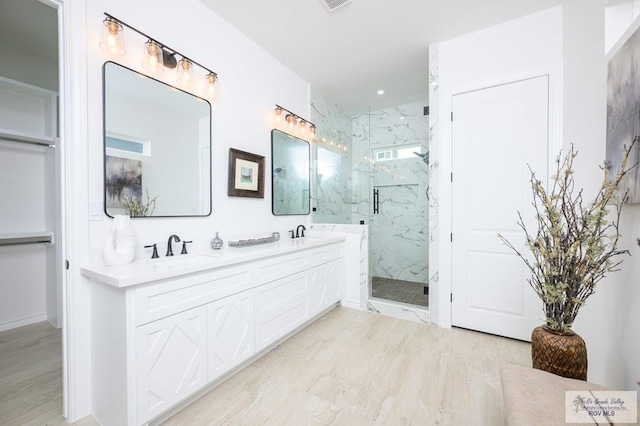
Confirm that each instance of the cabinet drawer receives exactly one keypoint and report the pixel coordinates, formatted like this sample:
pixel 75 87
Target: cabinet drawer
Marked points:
pixel 280 307
pixel 159 300
pixel 272 297
pixel 271 328
pixel 321 255
pixel 281 266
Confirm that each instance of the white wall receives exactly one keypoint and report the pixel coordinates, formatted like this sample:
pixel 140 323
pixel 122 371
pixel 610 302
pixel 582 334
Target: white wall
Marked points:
pixel 28 291
pixel 618 16
pixel 569 41
pixel 28 68
pixel 610 317
pixel 251 83
pixel 523 48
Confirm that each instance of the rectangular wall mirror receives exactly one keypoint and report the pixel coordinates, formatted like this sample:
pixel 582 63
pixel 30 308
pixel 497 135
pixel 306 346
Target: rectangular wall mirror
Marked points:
pixel 157 147
pixel 290 171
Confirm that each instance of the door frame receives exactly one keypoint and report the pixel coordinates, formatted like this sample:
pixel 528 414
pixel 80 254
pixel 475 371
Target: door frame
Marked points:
pixel 71 160
pixel 444 286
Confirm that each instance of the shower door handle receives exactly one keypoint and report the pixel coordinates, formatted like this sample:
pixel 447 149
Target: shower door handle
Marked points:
pixel 376 201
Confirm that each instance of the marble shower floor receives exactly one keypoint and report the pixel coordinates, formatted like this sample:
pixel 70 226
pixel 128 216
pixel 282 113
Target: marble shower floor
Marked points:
pixel 348 368
pixel 399 291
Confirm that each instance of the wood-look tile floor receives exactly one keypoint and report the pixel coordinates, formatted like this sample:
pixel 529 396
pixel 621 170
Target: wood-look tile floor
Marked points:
pixel 359 368
pixel 31 377
pixel 348 368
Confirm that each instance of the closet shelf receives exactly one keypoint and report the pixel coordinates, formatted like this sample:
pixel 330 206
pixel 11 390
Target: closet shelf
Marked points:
pixel 26 238
pixel 12 136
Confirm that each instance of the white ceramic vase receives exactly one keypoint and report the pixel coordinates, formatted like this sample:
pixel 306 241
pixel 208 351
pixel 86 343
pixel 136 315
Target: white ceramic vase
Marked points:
pixel 120 246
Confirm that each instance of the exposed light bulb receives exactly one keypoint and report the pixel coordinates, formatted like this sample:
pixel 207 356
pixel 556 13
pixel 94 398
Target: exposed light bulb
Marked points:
pixel 112 37
pixel 210 90
pixel 303 127
pixel 291 121
pixel 153 58
pixel 185 72
pixel 278 115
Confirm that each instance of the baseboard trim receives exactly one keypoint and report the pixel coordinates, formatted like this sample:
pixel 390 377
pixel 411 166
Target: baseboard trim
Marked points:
pixel 21 322
pixel 351 304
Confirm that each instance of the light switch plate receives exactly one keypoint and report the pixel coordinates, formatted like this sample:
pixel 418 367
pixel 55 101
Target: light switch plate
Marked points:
pixel 95 210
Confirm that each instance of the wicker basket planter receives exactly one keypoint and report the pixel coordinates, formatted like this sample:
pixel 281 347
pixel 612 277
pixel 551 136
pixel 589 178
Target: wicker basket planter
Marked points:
pixel 564 354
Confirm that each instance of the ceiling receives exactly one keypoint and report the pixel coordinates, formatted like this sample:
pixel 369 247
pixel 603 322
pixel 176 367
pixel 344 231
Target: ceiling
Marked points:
pixel 366 45
pixel 347 54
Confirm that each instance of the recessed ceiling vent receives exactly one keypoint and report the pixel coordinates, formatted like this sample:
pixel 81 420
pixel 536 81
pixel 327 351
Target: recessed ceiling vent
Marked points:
pixel 332 5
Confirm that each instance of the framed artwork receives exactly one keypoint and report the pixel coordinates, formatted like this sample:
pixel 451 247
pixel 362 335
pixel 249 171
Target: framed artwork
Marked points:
pixel 623 111
pixel 123 180
pixel 246 174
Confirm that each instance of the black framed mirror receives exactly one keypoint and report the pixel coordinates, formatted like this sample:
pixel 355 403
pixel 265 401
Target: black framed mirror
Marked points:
pixel 157 147
pixel 290 174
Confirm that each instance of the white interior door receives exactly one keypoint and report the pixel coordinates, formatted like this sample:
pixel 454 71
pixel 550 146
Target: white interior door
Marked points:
pixel 497 132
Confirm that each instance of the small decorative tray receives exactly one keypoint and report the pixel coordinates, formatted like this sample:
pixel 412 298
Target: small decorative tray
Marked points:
pixel 255 241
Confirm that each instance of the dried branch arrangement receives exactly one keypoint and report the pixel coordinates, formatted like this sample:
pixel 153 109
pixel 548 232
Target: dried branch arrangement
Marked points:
pixel 135 207
pixel 575 245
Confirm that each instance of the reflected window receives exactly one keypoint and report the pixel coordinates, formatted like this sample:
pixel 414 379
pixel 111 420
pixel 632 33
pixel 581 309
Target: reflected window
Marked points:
pixel 396 153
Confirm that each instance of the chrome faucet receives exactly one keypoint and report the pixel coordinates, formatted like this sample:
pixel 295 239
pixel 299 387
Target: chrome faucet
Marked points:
pixel 298 234
pixel 169 249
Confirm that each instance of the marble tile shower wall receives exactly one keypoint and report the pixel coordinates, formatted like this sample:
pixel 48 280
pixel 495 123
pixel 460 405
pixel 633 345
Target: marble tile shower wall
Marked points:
pixel 332 157
pixel 399 231
pixel 434 183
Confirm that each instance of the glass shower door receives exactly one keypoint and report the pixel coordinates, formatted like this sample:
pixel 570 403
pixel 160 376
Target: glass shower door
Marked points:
pixel 399 209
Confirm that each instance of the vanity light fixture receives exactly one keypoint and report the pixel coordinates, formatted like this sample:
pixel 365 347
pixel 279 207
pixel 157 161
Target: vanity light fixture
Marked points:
pixel 112 37
pixel 185 73
pixel 158 56
pixel 278 111
pixel 153 58
pixel 210 85
pixel 294 121
pixel 291 121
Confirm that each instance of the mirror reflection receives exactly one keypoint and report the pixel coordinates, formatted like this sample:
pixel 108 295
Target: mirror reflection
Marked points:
pixel 157 147
pixel 290 169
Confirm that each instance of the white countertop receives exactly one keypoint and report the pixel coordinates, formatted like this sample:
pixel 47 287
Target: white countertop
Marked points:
pixel 149 270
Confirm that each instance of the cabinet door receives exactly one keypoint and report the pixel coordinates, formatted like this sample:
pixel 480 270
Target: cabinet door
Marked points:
pixel 319 288
pixel 327 285
pixel 336 281
pixel 281 306
pixel 231 332
pixel 170 361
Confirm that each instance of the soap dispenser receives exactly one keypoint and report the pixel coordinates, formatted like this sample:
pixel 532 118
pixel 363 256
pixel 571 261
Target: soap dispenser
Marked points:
pixel 216 242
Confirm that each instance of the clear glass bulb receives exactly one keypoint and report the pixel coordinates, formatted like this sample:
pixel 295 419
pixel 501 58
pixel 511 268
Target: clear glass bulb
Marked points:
pixel 291 121
pixel 112 39
pixel 211 84
pixel 278 115
pixel 153 58
pixel 185 73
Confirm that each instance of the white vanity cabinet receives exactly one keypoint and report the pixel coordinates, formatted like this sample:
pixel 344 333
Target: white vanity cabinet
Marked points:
pixel 160 341
pixel 327 285
pixel 171 360
pixel 281 306
pixel 231 333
